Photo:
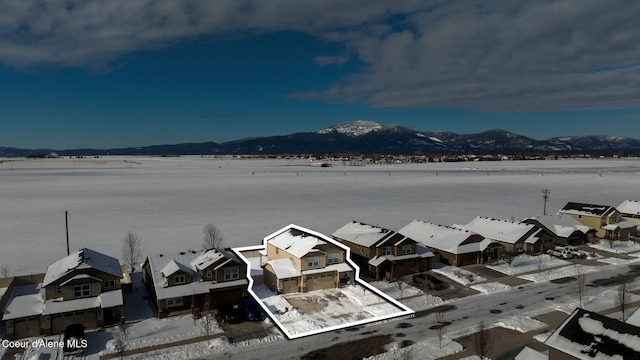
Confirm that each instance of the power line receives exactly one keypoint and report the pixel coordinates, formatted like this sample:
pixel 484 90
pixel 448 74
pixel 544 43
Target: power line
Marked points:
pixel 545 196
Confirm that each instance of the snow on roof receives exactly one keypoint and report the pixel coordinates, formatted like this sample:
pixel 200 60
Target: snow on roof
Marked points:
pixel 53 306
pixel 295 241
pixel 533 238
pixel 284 268
pixel 423 251
pixel 634 319
pixel 362 234
pixel 502 230
pixel 624 224
pixel 173 267
pixel 601 337
pixel 79 277
pixel 562 226
pixel 586 209
pixel 341 267
pixel 629 207
pixel 109 299
pixel 377 260
pixel 444 238
pixel 158 263
pixel 82 259
pixel 24 301
pixel 529 354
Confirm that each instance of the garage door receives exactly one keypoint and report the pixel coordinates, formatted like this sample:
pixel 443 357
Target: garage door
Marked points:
pixel 27 327
pixel 320 281
pixel 85 317
pixel 290 285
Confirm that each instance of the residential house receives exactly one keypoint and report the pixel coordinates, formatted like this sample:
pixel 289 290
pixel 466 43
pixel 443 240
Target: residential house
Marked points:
pixel 607 221
pixel 564 229
pixel 300 260
pixel 383 252
pixel 589 335
pixel 455 246
pixel 194 281
pixel 630 210
pixel 514 236
pixel 83 288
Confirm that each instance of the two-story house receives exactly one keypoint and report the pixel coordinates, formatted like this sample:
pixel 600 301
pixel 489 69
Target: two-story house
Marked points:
pixel 300 260
pixel 564 229
pixel 191 280
pixel 630 210
pixel 515 236
pixel 383 252
pixel 455 246
pixel 607 221
pixel 83 288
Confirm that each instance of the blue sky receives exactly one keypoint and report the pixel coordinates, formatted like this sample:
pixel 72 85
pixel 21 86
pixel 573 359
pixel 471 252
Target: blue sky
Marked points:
pixel 121 73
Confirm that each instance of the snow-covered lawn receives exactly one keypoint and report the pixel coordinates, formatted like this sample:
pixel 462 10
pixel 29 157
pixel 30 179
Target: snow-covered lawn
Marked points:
pixel 618 261
pixel 459 275
pixel 429 349
pixel 526 263
pixel 410 296
pixel 558 273
pixel 329 308
pixel 619 247
pixel 490 287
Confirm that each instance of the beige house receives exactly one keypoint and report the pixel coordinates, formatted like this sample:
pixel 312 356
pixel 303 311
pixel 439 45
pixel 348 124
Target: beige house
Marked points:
pixel 300 260
pixel 383 252
pixel 191 280
pixel 84 288
pixel 630 210
pixel 606 220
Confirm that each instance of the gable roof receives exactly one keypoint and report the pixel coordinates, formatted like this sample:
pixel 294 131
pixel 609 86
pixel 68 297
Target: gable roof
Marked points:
pixel 444 238
pixel 82 259
pixel 284 268
pixel 362 234
pixel 561 226
pixel 586 334
pixel 295 240
pixel 502 230
pixel 586 209
pixel 173 267
pixel 629 207
pixel 213 256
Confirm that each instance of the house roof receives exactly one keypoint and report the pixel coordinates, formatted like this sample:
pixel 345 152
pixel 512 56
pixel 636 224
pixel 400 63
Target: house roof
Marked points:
pixel 82 259
pixel 634 319
pixel 528 353
pixel 586 209
pixel 295 241
pixel 444 238
pixel 362 234
pixel 502 230
pixel 340 267
pixel 284 268
pixel 629 207
pixel 169 263
pixel 213 256
pixel 623 224
pixel 377 260
pixel 561 226
pixel 24 301
pixel 586 334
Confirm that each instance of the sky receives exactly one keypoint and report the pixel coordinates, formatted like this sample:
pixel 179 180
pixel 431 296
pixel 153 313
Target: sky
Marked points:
pixel 120 73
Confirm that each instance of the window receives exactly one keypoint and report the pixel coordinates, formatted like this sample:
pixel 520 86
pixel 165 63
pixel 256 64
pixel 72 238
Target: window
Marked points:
pixel 108 284
pixel 385 250
pixel 174 302
pixel 333 258
pixel 231 273
pixel 406 249
pixel 179 279
pixel 58 290
pixel 313 261
pixel 208 274
pixel 82 290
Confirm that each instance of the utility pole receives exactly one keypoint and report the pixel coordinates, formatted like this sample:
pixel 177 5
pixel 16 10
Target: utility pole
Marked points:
pixel 545 196
pixel 66 225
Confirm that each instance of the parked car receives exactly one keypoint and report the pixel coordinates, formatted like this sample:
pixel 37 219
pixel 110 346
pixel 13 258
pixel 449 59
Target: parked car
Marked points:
pixel 428 281
pixel 74 341
pixel 576 252
pixel 230 314
pixel 250 309
pixel 560 252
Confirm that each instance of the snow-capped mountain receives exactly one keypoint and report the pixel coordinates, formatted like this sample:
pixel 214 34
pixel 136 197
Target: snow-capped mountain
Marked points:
pixel 354 128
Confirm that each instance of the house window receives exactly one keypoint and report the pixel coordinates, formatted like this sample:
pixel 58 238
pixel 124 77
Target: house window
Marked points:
pixel 385 250
pixel 231 273
pixel 108 284
pixel 313 261
pixel 179 279
pixel 406 249
pixel 333 258
pixel 58 290
pixel 174 302
pixel 208 274
pixel 82 290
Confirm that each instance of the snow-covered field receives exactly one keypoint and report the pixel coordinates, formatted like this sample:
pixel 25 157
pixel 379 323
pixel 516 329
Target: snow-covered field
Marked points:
pixel 167 201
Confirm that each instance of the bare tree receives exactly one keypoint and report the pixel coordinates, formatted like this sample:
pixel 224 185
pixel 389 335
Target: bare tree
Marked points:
pixel 611 240
pixel 212 237
pixel 207 324
pixel 623 298
pixel 541 261
pixel 400 287
pixel 121 340
pixel 482 341
pixel 131 251
pixel 581 285
pixel 440 326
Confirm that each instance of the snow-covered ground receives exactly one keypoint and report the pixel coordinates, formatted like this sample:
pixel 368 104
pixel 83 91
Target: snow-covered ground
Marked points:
pixel 526 263
pixel 459 275
pixel 168 200
pixel 617 247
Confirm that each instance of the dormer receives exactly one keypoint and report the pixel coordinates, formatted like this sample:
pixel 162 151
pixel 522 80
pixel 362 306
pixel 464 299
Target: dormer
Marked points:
pixel 175 273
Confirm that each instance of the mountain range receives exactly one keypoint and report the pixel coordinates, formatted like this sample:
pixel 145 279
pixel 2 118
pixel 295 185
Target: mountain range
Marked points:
pixel 367 137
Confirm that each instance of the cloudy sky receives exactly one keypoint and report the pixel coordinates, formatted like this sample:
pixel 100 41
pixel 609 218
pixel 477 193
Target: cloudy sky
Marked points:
pixel 117 73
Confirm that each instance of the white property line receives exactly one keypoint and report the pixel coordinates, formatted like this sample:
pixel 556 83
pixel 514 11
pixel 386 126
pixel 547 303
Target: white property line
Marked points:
pixel 404 309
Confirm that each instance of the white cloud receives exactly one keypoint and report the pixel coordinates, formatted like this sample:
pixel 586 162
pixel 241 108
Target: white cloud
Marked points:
pixel 490 55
